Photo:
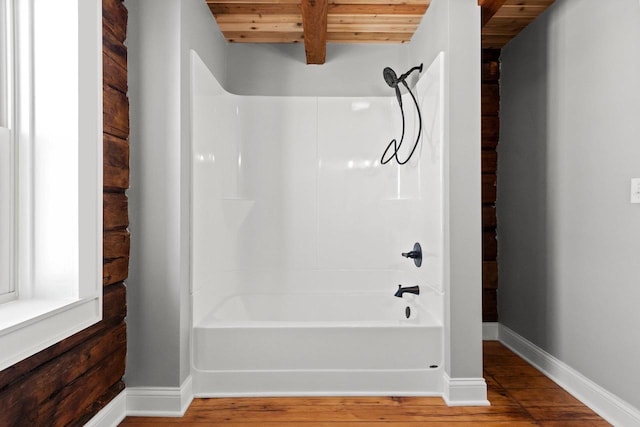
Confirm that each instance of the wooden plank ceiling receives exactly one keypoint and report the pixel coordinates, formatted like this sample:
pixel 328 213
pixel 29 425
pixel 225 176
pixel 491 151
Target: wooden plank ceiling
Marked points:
pixel 317 22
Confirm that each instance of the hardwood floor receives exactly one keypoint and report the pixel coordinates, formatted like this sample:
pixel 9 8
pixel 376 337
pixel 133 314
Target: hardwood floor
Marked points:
pixel 519 395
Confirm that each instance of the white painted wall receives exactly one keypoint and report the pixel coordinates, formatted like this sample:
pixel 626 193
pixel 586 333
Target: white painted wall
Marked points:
pixel 569 144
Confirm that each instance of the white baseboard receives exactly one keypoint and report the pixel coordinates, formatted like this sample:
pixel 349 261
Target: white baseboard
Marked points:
pixel 490 331
pixel 160 401
pixel 465 391
pixel 112 414
pixel 608 406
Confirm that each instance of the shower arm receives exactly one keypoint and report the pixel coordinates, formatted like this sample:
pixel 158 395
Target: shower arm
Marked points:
pixel 405 75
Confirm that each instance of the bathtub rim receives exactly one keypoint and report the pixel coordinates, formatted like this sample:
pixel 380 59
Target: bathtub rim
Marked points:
pixel 428 317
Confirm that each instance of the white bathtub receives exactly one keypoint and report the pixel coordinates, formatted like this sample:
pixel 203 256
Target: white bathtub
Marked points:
pixel 318 344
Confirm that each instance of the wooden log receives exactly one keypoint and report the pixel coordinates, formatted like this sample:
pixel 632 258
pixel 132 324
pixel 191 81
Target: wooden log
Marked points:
pixel 490 72
pixel 490 99
pixel 114 17
pixel 113 74
pixel 72 401
pixel 116 113
pixel 490 55
pixel 116 244
pixel 113 47
pixel 490 134
pixel 115 270
pixel 114 309
pixel 488 189
pixel 490 128
pixel 100 403
pixel 489 161
pixel 115 163
pixel 23 401
pixel 489 142
pixel 489 305
pixel 489 245
pixel 489 217
pixel 115 208
pixel 490 274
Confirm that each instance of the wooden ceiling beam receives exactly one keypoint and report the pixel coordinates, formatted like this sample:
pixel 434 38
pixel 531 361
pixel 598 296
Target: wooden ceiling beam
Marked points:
pixel 314 25
pixel 489 8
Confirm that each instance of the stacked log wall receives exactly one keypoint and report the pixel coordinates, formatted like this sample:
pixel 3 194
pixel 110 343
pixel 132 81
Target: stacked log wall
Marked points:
pixel 490 133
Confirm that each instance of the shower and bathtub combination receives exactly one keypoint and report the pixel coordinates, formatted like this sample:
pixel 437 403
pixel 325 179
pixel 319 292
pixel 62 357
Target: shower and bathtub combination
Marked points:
pixel 299 282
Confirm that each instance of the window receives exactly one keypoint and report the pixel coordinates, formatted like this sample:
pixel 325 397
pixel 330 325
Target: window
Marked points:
pixel 50 172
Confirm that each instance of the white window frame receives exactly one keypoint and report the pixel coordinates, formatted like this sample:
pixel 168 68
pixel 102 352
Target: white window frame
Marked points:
pixel 7 286
pixel 54 114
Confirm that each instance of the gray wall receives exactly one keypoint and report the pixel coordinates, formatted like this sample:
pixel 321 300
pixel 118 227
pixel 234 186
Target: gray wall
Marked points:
pixel 160 35
pixel 281 70
pixel 569 144
pixel 153 321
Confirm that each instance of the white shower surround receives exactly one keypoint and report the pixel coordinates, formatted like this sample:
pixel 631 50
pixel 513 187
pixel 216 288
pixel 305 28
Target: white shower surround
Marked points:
pixel 291 207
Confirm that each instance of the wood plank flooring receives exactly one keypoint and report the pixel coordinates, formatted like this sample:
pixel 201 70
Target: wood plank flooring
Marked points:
pixel 519 395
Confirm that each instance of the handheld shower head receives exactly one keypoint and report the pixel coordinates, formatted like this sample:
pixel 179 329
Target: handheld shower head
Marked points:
pixel 392 80
pixel 390 77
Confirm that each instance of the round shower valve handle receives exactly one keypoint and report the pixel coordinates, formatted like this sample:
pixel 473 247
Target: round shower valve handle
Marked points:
pixel 415 254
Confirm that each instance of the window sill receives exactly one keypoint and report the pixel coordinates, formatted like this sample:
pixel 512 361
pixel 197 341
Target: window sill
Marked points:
pixel 31 325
